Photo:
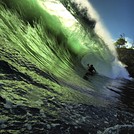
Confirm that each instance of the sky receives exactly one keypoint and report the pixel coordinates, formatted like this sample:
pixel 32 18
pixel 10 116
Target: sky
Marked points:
pixel 117 16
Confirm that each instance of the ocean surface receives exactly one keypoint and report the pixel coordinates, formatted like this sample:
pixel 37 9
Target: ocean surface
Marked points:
pixel 45 46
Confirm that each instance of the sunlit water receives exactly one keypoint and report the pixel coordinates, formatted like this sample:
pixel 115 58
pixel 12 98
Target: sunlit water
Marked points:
pixel 43 58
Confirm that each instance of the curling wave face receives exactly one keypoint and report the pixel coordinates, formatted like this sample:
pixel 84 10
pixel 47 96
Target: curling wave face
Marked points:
pixel 64 33
pixel 95 48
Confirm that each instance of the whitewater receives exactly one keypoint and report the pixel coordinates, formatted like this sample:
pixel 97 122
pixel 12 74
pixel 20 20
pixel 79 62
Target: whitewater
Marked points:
pixel 44 51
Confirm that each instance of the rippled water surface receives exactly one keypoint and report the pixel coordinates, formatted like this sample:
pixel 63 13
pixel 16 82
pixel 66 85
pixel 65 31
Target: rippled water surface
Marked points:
pixel 42 64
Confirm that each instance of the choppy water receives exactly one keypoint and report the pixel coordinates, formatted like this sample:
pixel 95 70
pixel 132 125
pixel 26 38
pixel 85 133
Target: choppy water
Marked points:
pixel 43 55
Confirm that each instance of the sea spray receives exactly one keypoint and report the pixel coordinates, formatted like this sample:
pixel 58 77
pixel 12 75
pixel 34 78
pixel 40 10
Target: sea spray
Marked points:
pixel 101 51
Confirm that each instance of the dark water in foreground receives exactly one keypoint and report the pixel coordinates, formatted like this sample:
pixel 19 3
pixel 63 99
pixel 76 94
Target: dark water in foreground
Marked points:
pixel 29 106
pixel 41 86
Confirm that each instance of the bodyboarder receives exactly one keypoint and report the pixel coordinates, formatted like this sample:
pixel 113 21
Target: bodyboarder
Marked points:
pixel 91 71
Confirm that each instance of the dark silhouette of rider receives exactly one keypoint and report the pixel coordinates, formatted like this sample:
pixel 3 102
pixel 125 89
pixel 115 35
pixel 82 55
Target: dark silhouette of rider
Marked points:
pixel 91 69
